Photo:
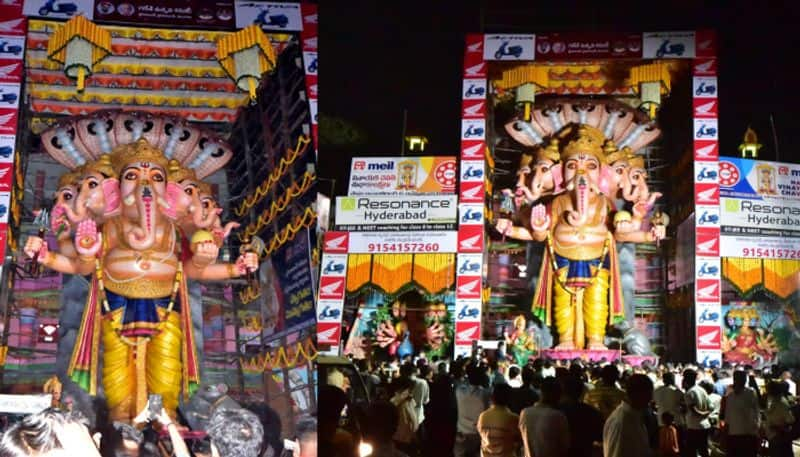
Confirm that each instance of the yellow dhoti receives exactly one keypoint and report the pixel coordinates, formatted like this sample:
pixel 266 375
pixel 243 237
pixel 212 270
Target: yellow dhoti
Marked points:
pixel 581 312
pixel 127 379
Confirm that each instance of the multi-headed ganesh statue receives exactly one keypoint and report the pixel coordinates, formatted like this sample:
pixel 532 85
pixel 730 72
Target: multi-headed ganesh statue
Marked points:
pixel 133 212
pixel 567 196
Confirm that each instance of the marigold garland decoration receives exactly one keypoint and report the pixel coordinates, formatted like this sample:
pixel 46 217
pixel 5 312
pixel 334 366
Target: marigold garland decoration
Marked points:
pixel 263 189
pixel 777 277
pixel 283 357
pixel 393 274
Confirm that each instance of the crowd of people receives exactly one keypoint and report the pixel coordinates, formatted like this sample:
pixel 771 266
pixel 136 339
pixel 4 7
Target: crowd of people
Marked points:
pixel 477 407
pixel 230 433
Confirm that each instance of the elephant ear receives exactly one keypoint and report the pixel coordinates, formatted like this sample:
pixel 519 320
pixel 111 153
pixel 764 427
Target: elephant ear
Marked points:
pixel 606 175
pixel 174 192
pixel 558 179
pixel 111 195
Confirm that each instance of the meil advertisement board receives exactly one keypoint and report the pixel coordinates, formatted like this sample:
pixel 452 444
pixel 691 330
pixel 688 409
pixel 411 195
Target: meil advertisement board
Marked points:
pixel 402 175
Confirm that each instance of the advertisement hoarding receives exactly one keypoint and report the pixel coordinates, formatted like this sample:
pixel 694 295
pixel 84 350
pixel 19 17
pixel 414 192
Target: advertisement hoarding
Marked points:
pixel 402 175
pixel 759 209
pixel 409 212
pixel 402 242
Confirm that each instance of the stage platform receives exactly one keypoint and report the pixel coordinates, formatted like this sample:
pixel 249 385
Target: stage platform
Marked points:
pixel 597 356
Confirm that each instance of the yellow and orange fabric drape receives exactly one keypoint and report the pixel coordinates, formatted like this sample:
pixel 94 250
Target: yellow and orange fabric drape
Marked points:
pixel 777 277
pixel 394 273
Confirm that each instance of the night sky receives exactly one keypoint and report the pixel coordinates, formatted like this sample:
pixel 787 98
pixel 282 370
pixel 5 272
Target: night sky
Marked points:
pixel 377 60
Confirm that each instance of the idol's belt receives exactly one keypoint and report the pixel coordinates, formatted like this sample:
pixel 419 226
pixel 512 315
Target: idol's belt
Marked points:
pixel 579 252
pixel 140 288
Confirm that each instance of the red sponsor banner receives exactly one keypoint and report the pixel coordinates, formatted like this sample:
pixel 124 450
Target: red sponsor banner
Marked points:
pixel 474 44
pixel 12 22
pixel 474 66
pixel 471 192
pixel 705 43
pixel 468 287
pixel 331 288
pixel 705 107
pixel 8 121
pixel 467 332
pixel 473 149
pixel 704 67
pixel 3 240
pixel 707 241
pixel 310 18
pixel 329 333
pixel 10 71
pixel 335 242
pixel 600 45
pixel 470 238
pixel 706 193
pixel 707 290
pixel 706 150
pixel 6 177
pixel 473 109
pixel 708 336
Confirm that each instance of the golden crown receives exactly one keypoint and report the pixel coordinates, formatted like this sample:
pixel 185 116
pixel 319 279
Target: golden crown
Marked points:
pixel 526 160
pixel 612 153
pixel 585 139
pixel 102 165
pixel 636 161
pixel 139 151
pixel 177 173
pixel 204 188
pixel 550 152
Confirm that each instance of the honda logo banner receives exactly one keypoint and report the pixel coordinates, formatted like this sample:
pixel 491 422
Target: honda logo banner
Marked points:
pixel 329 333
pixel 509 47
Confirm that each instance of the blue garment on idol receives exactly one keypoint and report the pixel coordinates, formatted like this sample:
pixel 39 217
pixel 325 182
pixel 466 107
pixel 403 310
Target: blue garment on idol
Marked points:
pixel 580 269
pixel 140 317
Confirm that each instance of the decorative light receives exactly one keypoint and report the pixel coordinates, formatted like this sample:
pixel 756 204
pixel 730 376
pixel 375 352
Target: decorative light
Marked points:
pixel 750 145
pixel 79 45
pixel 245 56
pixel 526 95
pixel 651 81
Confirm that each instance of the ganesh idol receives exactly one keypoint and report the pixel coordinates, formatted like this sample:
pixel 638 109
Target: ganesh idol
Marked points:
pixel 139 231
pixel 579 283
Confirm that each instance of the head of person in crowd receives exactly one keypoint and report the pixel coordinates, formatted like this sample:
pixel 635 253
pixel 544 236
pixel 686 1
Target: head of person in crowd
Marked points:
pixel 551 392
pixel 528 375
pixel 338 379
pixel 776 389
pixel 689 378
pixel 425 372
pixel 501 395
pixel 306 442
pixel 476 375
pixel 381 421
pixel 408 370
pixel 235 433
pixel 609 375
pixel 441 368
pixel 640 391
pixel 739 380
pixel 572 387
pixel 49 433
pixel 513 372
pixel 668 378
pixel 708 386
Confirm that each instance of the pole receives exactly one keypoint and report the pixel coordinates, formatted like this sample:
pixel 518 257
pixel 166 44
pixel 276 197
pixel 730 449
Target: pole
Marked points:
pixel 403 136
pixel 775 137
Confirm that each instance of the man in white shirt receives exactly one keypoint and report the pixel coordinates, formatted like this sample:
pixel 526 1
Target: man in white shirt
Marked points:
pixel 787 378
pixel 421 391
pixel 544 429
pixel 625 433
pixel 740 411
pixel 698 409
pixel 669 399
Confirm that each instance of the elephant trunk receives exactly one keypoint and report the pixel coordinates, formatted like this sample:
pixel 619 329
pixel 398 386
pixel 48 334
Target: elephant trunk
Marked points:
pixel 630 192
pixel 581 191
pixel 77 213
pixel 144 236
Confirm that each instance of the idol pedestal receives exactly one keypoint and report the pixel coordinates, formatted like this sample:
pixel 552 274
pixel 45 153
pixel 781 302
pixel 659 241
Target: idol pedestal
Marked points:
pixel 587 355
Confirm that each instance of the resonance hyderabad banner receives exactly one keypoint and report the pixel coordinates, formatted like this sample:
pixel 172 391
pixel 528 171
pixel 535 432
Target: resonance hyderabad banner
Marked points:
pixel 759 209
